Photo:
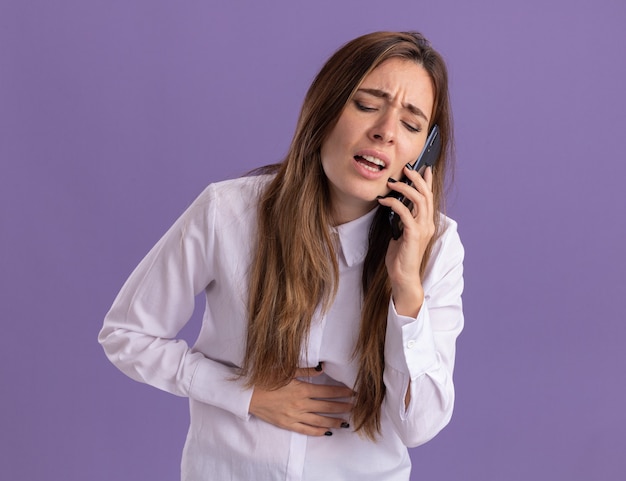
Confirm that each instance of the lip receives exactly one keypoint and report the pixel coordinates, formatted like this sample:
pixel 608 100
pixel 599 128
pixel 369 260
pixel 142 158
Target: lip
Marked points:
pixel 375 153
pixel 364 172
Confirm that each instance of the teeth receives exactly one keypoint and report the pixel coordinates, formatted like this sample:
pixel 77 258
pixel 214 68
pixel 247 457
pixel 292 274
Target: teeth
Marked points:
pixel 370 168
pixel 374 160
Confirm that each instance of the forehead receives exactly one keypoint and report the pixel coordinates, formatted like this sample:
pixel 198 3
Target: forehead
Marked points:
pixel 403 83
pixel 398 74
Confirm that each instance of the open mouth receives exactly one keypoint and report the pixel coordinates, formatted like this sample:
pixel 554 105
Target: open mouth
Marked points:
pixel 370 163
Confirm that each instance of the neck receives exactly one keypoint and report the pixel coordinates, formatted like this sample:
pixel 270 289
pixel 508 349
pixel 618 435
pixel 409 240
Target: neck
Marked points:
pixel 348 212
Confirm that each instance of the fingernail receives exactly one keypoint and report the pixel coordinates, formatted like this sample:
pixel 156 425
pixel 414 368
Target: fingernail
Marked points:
pixel 328 433
pixel 409 166
pixel 319 367
pixel 345 425
pixel 392 180
pixel 378 197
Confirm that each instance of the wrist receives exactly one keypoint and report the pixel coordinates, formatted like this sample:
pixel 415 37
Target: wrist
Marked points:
pixel 408 303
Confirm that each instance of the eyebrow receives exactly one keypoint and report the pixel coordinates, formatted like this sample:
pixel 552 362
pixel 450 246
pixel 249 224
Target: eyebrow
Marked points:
pixel 385 95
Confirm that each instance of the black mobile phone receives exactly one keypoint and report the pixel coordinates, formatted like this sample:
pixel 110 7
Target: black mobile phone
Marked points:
pixel 427 158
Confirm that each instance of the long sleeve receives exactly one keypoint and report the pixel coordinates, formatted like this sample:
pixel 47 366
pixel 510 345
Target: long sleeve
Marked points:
pixel 420 352
pixel 139 331
pixel 209 249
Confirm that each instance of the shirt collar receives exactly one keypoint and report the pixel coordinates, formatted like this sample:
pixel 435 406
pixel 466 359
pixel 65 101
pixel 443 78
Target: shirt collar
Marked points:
pixel 354 238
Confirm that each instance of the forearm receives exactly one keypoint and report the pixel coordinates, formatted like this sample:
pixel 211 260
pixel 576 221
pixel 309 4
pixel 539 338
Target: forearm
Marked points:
pixel 419 390
pixel 419 407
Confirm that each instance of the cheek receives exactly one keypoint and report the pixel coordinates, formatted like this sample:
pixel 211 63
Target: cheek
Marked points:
pixel 331 151
pixel 329 163
pixel 409 154
pixel 325 155
pixel 414 149
pixel 341 135
pixel 398 174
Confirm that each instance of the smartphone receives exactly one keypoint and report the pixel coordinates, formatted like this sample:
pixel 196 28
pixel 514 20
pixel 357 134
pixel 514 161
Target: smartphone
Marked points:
pixel 428 157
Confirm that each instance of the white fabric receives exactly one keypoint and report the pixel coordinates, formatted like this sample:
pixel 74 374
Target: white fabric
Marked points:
pixel 209 249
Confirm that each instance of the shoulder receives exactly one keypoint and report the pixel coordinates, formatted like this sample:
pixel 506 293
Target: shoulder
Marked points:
pixel 229 208
pixel 231 197
pixel 241 190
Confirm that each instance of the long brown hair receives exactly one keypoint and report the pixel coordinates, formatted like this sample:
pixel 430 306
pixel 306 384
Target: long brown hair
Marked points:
pixel 294 269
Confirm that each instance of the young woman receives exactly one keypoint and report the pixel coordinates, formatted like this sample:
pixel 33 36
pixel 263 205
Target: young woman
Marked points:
pixel 327 347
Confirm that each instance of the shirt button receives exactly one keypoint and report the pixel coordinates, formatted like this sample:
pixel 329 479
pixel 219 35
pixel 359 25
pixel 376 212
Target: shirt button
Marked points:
pixel 410 344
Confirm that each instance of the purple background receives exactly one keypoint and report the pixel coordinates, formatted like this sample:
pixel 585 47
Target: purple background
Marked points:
pixel 115 114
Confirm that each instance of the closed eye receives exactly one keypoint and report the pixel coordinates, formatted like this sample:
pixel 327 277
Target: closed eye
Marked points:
pixel 363 108
pixel 412 128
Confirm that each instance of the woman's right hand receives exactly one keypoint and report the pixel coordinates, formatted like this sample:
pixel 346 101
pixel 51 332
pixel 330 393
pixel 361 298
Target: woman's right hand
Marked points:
pixel 300 406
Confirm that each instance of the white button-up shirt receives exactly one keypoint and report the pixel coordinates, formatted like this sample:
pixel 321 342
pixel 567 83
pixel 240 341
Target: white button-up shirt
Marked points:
pixel 209 249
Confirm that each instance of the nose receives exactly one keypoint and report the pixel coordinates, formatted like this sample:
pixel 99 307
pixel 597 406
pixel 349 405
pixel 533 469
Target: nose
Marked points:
pixel 384 129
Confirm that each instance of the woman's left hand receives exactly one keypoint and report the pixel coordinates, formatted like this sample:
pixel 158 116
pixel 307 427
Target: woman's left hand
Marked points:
pixel 404 256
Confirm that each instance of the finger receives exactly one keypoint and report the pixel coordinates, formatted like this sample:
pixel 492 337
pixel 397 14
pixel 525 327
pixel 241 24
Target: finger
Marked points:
pixel 326 391
pixel 305 428
pixel 326 422
pixel 419 178
pixel 427 206
pixel 423 185
pixel 308 430
pixel 327 406
pixel 409 192
pixel 407 189
pixel 398 207
pixel 391 201
pixel 428 177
